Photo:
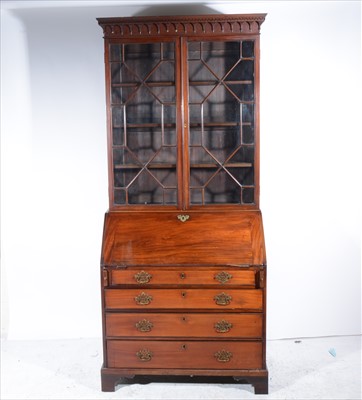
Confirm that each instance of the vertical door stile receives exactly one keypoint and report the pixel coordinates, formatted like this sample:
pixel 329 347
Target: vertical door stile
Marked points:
pixel 185 124
pixel 107 62
pixel 257 121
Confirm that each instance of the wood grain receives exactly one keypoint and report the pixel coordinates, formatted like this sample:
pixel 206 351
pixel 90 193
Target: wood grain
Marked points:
pixel 188 299
pixel 160 238
pixel 184 325
pixel 183 354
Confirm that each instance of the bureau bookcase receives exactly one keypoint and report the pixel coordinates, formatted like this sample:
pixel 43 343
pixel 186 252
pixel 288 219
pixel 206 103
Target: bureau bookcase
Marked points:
pixel 183 262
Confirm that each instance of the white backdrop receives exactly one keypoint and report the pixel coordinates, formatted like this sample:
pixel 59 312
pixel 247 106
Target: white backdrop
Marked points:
pixel 54 172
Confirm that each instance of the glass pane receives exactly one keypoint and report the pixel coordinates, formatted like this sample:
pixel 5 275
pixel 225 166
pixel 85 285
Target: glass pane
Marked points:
pixel 247 48
pixel 144 142
pixel 145 190
pixel 168 51
pixel 143 108
pixel 144 123
pixel 222 189
pixel 221 106
pixel 220 56
pixel 119 196
pixel 124 177
pixel 199 176
pixel 221 112
pixel 221 142
pixel 115 52
pixel 248 134
pixel 248 195
pixel 165 176
pixel 142 58
pixel 196 196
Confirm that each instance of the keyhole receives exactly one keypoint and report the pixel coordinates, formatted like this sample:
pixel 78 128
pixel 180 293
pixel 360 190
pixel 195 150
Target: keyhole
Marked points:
pixel 182 275
pixel 183 347
pixel 184 319
pixel 183 294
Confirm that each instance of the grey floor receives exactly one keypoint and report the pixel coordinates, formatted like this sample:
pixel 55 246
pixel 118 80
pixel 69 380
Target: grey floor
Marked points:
pixel 321 368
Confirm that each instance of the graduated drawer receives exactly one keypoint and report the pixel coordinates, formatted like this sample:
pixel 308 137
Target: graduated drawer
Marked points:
pixel 184 354
pixel 221 325
pixel 245 299
pixel 160 276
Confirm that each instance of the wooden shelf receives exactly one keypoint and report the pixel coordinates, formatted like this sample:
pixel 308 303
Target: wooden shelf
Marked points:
pixel 149 166
pixel 213 83
pixel 173 166
pixel 135 84
pixel 169 83
pixel 219 124
pixel 145 125
pixel 227 165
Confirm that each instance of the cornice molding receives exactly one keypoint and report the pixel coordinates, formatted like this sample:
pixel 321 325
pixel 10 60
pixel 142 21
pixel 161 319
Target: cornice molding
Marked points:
pixel 181 25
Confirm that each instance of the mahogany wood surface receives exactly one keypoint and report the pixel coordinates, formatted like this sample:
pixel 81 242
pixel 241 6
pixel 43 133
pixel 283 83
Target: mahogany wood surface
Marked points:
pixel 183 276
pixel 160 238
pixel 183 260
pixel 184 354
pixel 196 325
pixel 247 299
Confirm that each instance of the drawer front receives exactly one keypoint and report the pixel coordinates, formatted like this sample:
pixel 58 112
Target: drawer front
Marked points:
pixel 149 276
pixel 184 354
pixel 220 325
pixel 243 299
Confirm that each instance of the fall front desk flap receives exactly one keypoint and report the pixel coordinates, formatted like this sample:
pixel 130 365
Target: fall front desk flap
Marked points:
pixel 180 238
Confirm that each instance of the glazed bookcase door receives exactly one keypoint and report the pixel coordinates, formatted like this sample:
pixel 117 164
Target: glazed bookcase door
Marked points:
pixel 143 123
pixel 221 104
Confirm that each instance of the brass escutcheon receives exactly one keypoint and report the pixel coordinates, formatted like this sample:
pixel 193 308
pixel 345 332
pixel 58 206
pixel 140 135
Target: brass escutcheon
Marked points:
pixel 183 218
pixel 143 299
pixel 144 325
pixel 144 355
pixel 142 277
pixel 223 326
pixel 223 356
pixel 223 277
pixel 222 299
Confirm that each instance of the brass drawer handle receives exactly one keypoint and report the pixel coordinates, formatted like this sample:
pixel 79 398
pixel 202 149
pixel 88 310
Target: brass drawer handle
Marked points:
pixel 143 299
pixel 144 355
pixel 183 218
pixel 222 299
pixel 223 356
pixel 144 325
pixel 223 326
pixel 223 277
pixel 142 277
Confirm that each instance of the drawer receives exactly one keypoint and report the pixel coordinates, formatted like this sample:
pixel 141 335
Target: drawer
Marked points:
pixel 160 276
pixel 222 325
pixel 243 299
pixel 184 354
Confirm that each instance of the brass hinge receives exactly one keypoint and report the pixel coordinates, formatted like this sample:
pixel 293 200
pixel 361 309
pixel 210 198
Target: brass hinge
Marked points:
pixel 105 277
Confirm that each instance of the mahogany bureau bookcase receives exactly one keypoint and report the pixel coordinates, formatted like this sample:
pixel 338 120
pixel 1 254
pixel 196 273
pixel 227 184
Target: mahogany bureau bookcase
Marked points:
pixel 183 261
